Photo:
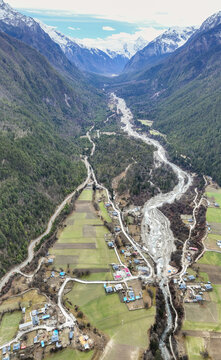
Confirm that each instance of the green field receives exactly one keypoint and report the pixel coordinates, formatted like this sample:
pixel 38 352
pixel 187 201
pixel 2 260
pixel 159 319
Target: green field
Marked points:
pixel 211 258
pixel 70 354
pixel 104 212
pixel 83 227
pixel 213 215
pixel 146 122
pixel 86 195
pixel 9 326
pixel 109 315
pixel 194 346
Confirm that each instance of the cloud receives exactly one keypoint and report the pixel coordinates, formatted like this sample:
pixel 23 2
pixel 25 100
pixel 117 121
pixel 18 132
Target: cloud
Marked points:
pixel 179 13
pixel 73 28
pixel 107 28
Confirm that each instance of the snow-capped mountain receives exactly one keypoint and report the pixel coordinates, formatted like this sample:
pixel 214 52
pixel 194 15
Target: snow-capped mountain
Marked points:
pixel 159 48
pixel 26 29
pixel 122 44
pixel 211 22
pixel 87 59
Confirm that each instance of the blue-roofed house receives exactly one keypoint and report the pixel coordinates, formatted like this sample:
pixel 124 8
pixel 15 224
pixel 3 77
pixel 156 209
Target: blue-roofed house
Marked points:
pixel 62 273
pixel 115 267
pixel 191 277
pixel 110 244
pixel 50 261
pixel 136 261
pixel 71 334
pixel 182 286
pixel 4 350
pixel 54 338
pixel 109 289
pixel 35 320
pixel 198 298
pixel 208 287
pixel 42 344
pixel 45 317
pixel 55 332
pixel 16 347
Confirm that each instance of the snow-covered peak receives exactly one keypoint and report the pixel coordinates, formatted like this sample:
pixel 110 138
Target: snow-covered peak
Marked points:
pixel 13 17
pixel 175 37
pixel 211 21
pixel 126 45
pixel 55 35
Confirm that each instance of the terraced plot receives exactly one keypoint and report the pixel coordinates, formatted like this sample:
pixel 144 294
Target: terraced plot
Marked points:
pixel 81 243
pixel 9 326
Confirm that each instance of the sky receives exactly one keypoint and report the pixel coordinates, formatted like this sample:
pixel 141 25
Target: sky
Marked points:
pixel 100 21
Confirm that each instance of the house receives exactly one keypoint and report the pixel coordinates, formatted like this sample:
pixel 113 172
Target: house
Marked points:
pixel 143 269
pixel 190 220
pixel 50 261
pixel 71 334
pixel 35 339
pixel 117 277
pixel 191 277
pixel 54 338
pixel 117 228
pixel 114 213
pixel 107 205
pixel 122 251
pixel 110 244
pixel 23 346
pixel 182 286
pixel 115 267
pixel 136 261
pixel 208 287
pixel 16 347
pixel 62 273
pixel 42 344
pixel 35 320
pixel 86 346
pixel 25 326
pixel 4 350
pixel 45 317
pixel 198 298
pixel 23 310
pixel 216 204
pixel 118 287
pixel 109 289
pixel 34 312
pixel 58 346
pixel 193 248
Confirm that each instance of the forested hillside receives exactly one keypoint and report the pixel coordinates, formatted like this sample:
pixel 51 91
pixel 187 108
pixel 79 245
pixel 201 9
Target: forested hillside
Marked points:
pixel 115 153
pixel 182 96
pixel 41 118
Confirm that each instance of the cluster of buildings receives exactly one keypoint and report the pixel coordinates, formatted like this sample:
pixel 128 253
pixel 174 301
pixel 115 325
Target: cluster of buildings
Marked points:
pixel 193 291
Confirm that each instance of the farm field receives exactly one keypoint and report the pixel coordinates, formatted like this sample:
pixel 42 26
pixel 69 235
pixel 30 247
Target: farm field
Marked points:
pixel 9 326
pixel 109 315
pixel 70 354
pixel 146 122
pixel 194 346
pixel 102 196
pixel 81 244
pixel 211 257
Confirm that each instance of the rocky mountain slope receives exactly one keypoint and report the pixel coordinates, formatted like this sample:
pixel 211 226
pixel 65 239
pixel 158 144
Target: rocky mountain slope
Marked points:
pixel 159 48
